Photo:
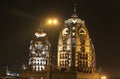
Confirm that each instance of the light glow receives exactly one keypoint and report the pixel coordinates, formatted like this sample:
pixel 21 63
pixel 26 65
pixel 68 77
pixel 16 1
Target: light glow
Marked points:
pixel 52 22
pixel 103 77
pixel 55 21
pixel 49 21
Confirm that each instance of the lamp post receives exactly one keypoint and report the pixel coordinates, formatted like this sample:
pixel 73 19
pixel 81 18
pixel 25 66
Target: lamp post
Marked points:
pixel 52 23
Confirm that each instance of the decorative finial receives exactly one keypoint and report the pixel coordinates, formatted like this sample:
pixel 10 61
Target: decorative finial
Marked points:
pixel 74 14
pixel 75 7
pixel 40 30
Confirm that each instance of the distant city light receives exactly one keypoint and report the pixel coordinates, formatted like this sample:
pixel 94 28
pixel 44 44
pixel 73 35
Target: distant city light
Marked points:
pixel 103 77
pixel 12 74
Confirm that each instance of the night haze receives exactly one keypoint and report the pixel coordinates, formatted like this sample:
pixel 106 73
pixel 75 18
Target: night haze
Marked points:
pixel 20 20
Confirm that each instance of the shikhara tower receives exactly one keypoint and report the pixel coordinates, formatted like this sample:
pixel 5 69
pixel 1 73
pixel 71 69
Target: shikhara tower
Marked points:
pixel 75 48
pixel 39 51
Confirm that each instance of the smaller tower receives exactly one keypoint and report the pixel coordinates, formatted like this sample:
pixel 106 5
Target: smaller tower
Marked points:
pixel 39 54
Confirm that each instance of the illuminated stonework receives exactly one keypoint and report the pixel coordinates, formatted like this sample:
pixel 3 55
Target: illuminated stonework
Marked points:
pixel 75 48
pixel 39 51
pixel 75 55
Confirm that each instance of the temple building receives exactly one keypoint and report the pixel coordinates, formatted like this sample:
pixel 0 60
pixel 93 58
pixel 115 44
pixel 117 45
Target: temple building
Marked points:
pixel 76 57
pixel 39 57
pixel 39 52
pixel 75 49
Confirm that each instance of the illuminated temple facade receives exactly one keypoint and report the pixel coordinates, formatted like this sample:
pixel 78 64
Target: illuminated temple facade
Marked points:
pixel 39 57
pixel 75 54
pixel 75 48
pixel 39 52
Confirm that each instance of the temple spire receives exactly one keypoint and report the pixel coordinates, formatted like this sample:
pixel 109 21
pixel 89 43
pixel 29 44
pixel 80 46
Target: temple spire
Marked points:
pixel 75 5
pixel 74 14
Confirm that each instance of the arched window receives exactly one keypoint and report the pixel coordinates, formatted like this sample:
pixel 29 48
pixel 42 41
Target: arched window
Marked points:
pixel 60 56
pixel 64 42
pixel 82 42
pixel 64 48
pixel 83 56
pixel 82 49
pixel 86 64
pixel 66 56
pixel 80 56
pixel 86 57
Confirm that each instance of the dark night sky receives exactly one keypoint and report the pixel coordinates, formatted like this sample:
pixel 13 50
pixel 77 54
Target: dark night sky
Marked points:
pixel 19 19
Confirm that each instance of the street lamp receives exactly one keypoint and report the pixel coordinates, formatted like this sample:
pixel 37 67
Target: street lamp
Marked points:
pixel 53 23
